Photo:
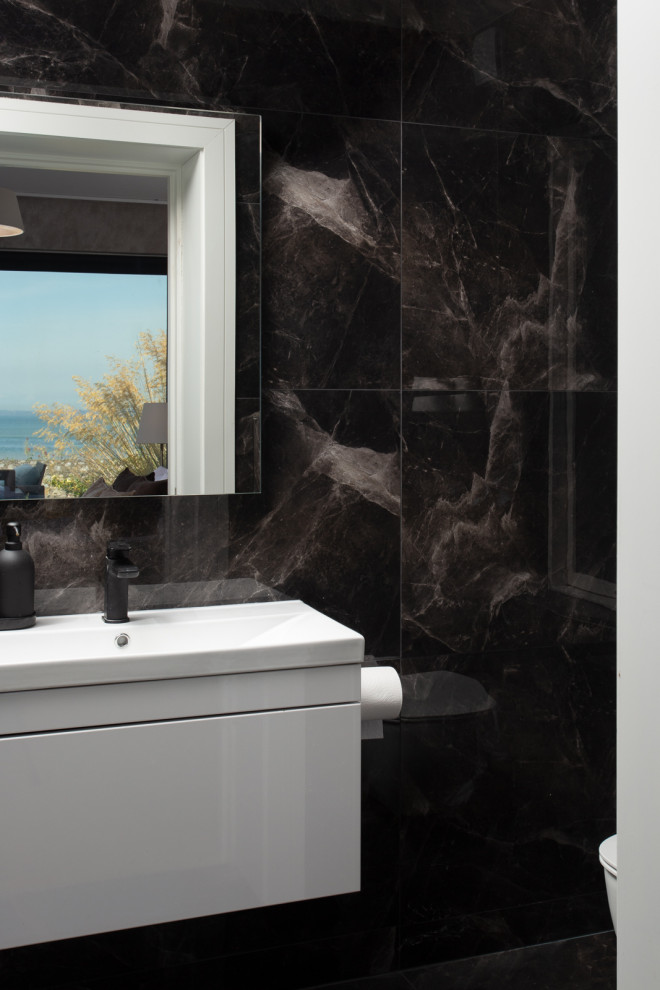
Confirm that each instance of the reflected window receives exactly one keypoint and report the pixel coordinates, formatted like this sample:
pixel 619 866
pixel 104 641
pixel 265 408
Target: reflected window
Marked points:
pixel 84 346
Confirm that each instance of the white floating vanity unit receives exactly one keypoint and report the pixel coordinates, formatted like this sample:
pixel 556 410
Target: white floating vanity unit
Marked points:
pixel 191 762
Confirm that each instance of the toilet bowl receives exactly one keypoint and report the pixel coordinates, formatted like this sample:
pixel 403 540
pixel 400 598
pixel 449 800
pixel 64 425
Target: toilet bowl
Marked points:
pixel 608 859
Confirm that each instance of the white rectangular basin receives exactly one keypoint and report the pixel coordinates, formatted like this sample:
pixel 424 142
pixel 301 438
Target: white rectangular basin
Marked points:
pixel 71 650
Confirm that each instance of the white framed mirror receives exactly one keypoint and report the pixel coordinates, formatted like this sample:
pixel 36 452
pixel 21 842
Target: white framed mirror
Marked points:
pixel 194 155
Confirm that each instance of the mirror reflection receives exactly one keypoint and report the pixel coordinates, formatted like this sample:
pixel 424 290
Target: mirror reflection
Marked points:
pixel 84 294
pixel 124 282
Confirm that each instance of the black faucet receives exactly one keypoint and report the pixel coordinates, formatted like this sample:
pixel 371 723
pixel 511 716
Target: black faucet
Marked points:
pixel 118 571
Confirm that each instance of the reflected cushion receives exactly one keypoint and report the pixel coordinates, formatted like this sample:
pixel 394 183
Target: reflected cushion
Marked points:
pixel 29 474
pixel 126 480
pixel 150 488
pixel 101 489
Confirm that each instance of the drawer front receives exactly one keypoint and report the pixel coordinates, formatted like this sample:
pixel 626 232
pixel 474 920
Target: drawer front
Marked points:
pixel 186 697
pixel 111 828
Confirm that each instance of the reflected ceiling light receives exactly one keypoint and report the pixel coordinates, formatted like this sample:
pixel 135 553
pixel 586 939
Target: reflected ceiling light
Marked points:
pixel 11 222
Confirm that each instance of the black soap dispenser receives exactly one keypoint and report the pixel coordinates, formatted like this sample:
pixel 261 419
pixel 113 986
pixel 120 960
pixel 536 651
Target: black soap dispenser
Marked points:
pixel 16 582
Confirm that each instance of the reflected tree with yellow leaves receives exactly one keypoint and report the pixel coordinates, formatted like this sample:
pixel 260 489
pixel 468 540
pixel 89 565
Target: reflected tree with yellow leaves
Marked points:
pixel 100 435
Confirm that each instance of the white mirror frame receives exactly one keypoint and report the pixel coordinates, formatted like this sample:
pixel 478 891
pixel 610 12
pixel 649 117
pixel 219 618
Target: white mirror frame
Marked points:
pixel 196 154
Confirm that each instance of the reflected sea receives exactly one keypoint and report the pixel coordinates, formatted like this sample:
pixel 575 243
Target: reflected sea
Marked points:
pixel 15 429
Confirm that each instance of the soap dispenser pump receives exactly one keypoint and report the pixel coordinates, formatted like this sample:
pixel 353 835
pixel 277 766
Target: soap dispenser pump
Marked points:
pixel 16 582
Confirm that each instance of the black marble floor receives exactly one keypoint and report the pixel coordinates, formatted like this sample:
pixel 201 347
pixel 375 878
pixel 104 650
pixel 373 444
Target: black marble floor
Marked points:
pixel 587 963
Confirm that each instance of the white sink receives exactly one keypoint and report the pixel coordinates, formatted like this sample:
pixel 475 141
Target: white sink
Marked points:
pixel 71 650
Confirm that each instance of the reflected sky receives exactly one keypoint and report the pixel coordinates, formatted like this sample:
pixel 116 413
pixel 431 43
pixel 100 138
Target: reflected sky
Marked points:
pixel 59 324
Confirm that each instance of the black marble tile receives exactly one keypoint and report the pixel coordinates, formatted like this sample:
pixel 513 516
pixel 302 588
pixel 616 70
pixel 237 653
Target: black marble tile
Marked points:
pixel 301 964
pixel 477 569
pixel 389 981
pixel 248 300
pixel 248 446
pixel 297 965
pixel 508 777
pixel 73 962
pixel 174 539
pixel 536 66
pixel 248 158
pixel 331 289
pixel 509 261
pixel 469 936
pixel 113 958
pixel 322 56
pixel 581 964
pixel 584 475
pixel 327 527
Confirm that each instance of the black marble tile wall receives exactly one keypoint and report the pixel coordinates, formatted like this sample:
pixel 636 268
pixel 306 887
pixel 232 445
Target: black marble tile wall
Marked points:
pixel 248 300
pixel 508 783
pixel 319 56
pixel 587 963
pixel 509 260
pixel 68 538
pixel 474 519
pixel 438 445
pixel 581 963
pixel 327 526
pixel 331 250
pixel 489 511
pixel 515 65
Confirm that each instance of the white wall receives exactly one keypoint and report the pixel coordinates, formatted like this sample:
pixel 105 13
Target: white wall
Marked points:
pixel 639 497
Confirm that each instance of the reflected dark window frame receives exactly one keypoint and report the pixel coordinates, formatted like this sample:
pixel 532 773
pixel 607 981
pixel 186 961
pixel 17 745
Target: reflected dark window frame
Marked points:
pixel 63 261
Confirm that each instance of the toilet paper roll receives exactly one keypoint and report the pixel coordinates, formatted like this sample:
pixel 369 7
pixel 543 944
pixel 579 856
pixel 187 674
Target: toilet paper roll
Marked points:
pixel 381 694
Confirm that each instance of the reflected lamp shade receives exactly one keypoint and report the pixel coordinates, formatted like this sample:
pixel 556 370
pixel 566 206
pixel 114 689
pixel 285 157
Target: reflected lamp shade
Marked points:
pixel 11 222
pixel 153 423
pixel 152 427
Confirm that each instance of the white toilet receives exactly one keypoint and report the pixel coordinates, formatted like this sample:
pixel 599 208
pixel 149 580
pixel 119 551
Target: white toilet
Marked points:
pixel 608 859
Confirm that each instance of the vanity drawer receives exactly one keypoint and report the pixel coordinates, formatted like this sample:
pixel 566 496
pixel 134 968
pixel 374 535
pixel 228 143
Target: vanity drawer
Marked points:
pixel 110 828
